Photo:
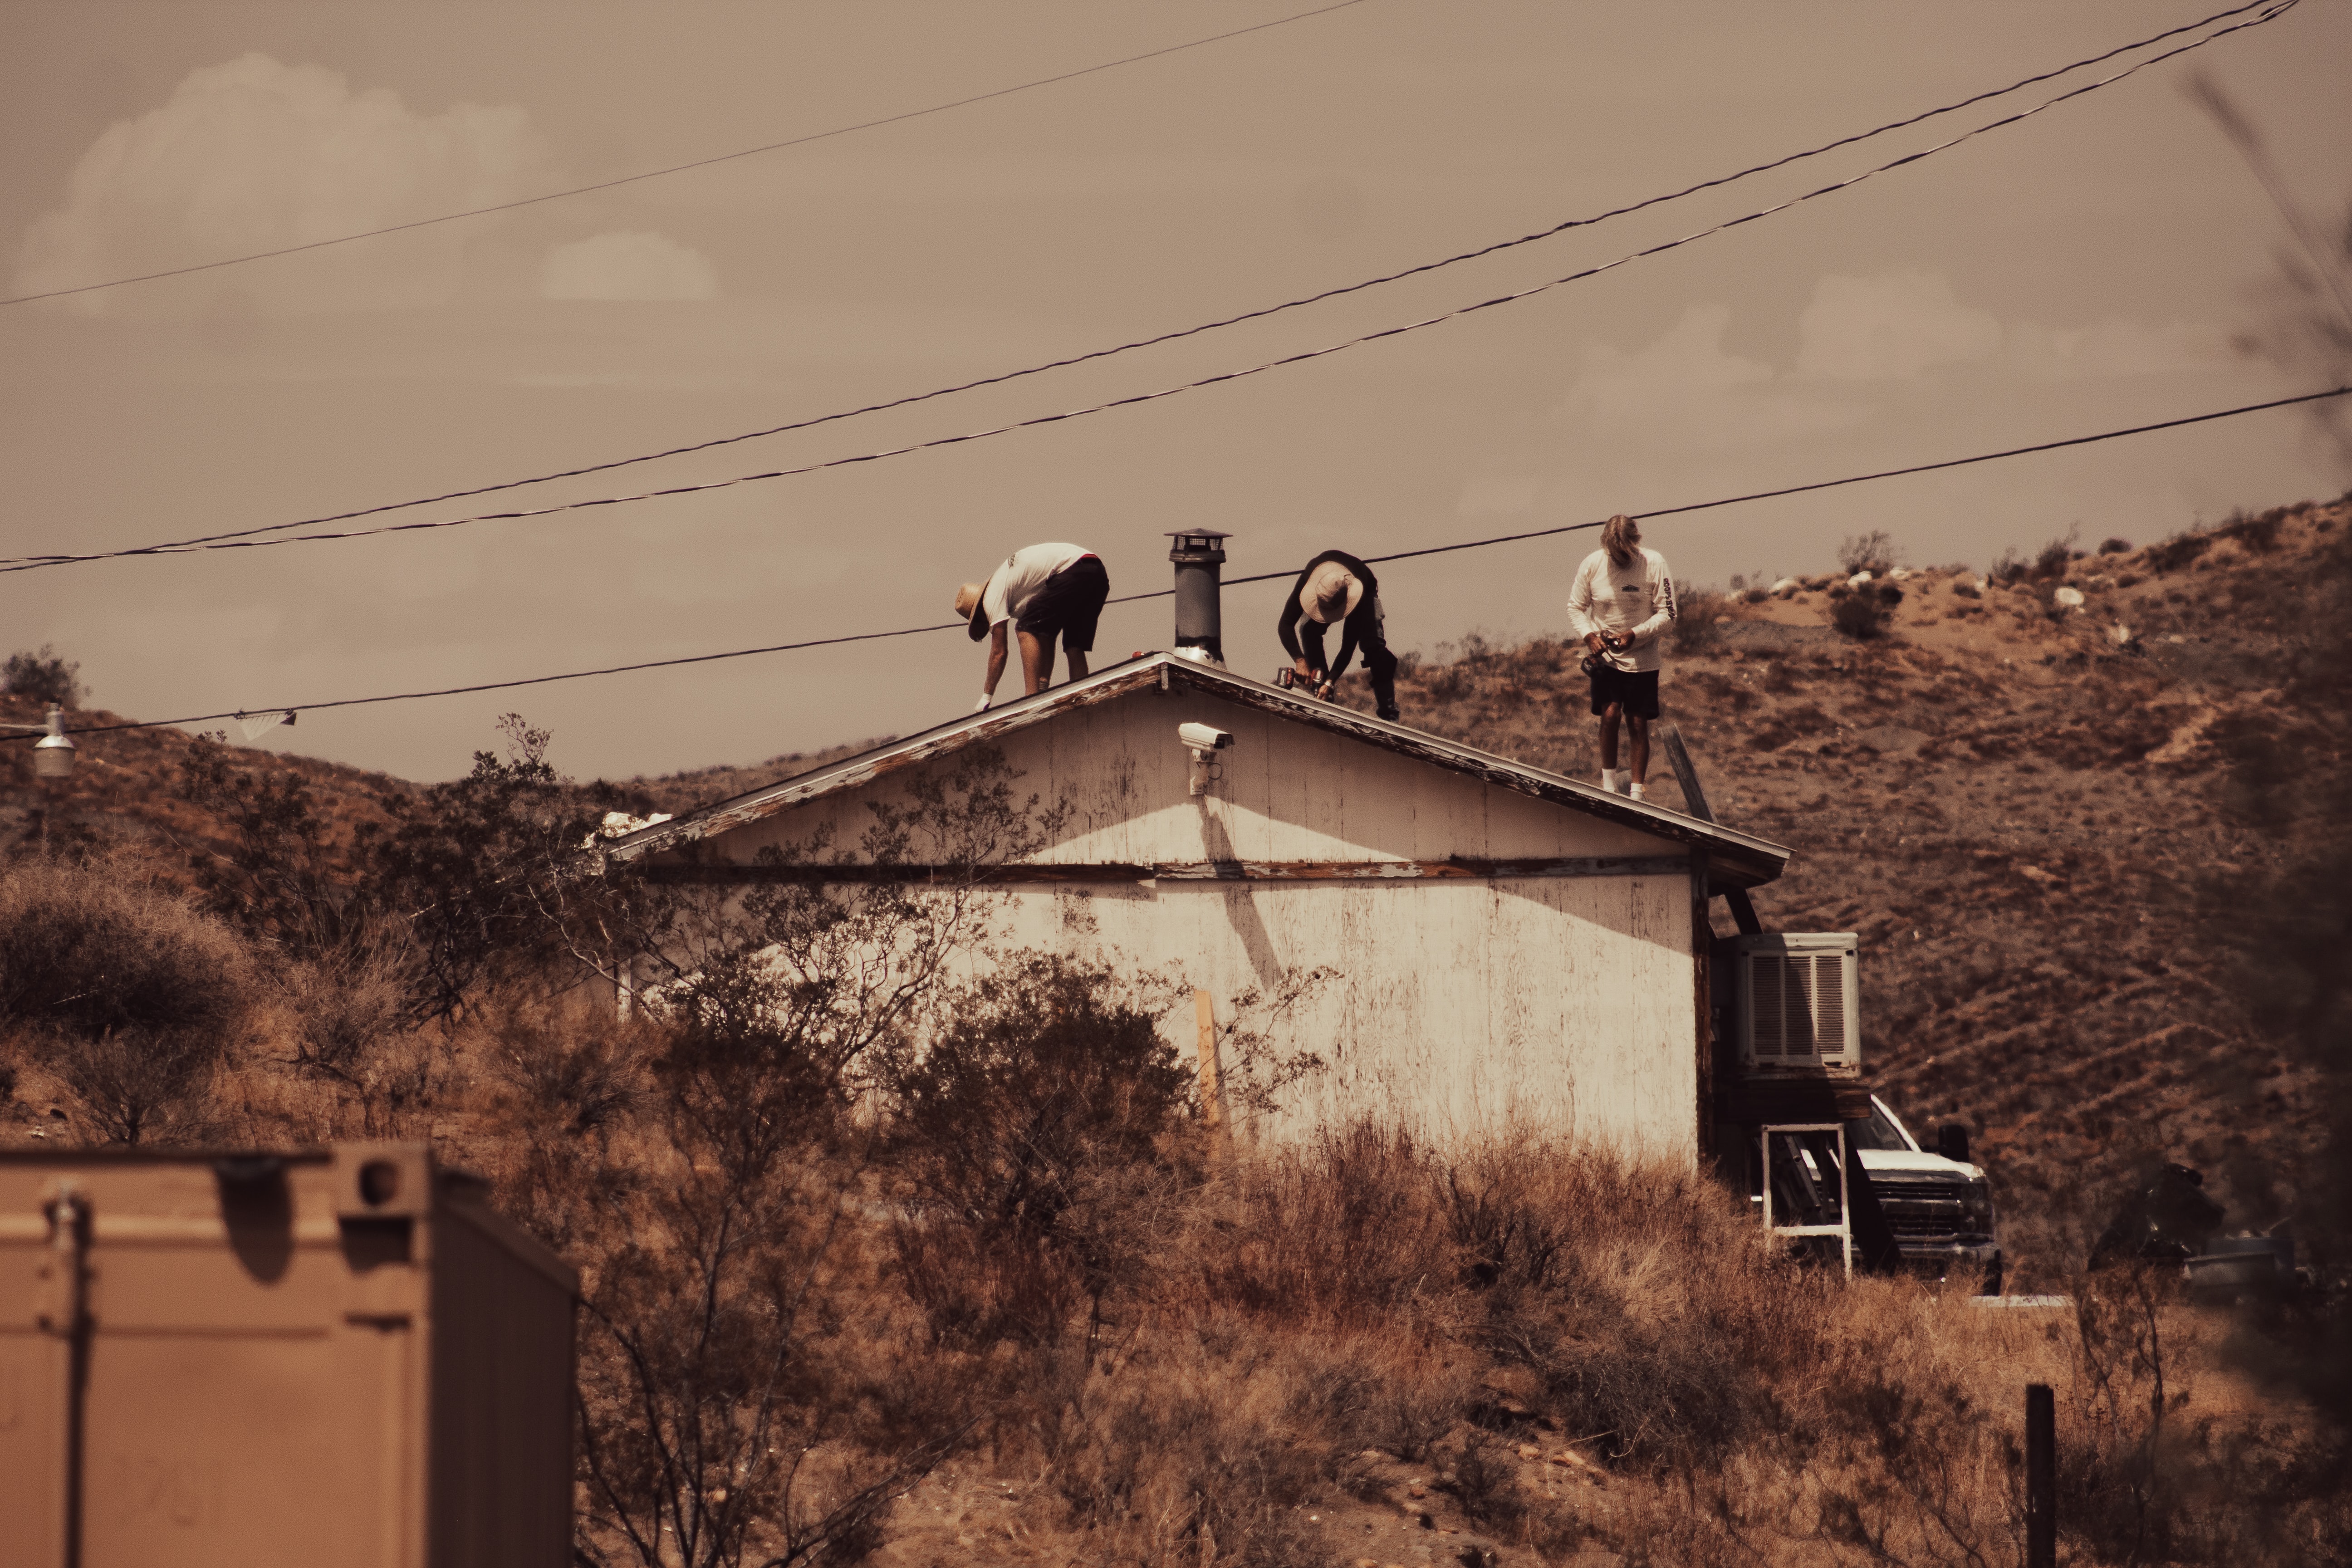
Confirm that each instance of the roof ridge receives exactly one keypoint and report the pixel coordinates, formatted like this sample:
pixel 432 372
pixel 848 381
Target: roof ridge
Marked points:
pixel 1761 855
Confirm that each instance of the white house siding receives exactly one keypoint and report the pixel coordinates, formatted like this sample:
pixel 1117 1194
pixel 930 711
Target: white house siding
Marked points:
pixel 1459 1004
pixel 1457 1008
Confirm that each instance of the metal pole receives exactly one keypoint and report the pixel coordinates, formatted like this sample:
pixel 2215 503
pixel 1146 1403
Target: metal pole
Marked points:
pixel 70 1318
pixel 2040 1477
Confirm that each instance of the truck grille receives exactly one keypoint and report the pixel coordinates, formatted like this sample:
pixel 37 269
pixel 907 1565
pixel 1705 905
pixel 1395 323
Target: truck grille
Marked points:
pixel 1923 1210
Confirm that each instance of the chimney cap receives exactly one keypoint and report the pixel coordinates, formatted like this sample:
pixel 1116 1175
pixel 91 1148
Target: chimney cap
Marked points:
pixel 1197 545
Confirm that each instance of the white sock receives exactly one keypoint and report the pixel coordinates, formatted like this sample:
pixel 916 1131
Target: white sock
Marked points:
pixel 1608 780
pixel 1637 791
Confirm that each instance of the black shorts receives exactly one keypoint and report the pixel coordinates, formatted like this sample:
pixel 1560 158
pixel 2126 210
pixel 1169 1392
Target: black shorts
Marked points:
pixel 1069 604
pixel 1636 693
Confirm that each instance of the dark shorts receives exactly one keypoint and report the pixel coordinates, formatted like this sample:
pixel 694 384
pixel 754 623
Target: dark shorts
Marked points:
pixel 1637 693
pixel 1069 604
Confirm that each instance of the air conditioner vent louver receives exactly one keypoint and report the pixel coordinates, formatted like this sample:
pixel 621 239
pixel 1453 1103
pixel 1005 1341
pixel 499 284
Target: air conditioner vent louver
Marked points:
pixel 1797 1000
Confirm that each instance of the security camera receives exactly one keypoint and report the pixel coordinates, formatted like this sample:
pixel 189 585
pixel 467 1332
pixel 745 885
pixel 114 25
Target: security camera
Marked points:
pixel 1206 740
pixel 1204 737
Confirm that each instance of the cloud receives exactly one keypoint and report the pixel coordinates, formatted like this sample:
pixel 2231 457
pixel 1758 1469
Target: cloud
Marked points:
pixel 256 155
pixel 1685 364
pixel 2117 347
pixel 628 266
pixel 1686 388
pixel 1893 328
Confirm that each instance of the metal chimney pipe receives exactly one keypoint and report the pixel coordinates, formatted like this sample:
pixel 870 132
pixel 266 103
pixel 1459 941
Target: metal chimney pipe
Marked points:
pixel 1200 557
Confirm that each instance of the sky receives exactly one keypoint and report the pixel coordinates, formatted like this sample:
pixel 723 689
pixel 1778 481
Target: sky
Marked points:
pixel 2097 266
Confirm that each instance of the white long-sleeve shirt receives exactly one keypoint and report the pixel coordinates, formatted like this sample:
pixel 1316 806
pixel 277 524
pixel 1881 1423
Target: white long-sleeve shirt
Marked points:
pixel 1635 602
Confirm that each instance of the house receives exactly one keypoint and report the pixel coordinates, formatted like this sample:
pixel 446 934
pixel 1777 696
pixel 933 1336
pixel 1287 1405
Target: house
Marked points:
pixel 1496 943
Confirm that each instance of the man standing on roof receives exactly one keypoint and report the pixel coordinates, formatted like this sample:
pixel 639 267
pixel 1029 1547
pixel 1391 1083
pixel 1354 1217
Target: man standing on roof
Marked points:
pixel 1045 591
pixel 1620 604
pixel 1337 587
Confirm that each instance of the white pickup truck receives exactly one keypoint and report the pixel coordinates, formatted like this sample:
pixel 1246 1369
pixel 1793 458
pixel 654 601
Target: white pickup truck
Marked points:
pixel 1939 1205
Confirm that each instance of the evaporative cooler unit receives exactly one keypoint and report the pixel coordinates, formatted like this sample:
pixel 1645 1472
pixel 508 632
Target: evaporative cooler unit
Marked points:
pixel 1797 1000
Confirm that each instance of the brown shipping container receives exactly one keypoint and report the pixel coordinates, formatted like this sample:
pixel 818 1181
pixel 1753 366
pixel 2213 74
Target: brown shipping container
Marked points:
pixel 339 1356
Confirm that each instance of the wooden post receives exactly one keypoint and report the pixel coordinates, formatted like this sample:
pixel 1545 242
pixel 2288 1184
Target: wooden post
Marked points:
pixel 2040 1477
pixel 1212 1110
pixel 1743 908
pixel 1702 1001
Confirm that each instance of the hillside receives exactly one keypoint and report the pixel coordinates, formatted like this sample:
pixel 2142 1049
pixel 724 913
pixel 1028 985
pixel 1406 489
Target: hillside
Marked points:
pixel 2023 808
pixel 123 791
pixel 675 792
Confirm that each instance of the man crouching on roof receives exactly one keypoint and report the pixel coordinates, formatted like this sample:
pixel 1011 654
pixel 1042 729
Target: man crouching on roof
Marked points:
pixel 1620 604
pixel 1335 588
pixel 1045 591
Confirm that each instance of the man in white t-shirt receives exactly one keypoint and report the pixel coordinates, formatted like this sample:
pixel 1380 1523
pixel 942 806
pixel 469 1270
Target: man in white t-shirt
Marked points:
pixel 1620 604
pixel 1044 591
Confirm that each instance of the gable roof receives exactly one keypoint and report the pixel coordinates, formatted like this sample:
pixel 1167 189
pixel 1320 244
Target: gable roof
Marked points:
pixel 1735 860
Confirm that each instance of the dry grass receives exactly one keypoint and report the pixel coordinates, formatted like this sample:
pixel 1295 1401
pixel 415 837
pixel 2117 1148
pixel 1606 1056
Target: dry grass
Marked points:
pixel 1266 1357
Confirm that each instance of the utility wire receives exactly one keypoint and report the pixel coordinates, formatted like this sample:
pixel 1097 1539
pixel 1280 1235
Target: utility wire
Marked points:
pixel 1237 582
pixel 682 168
pixel 248 542
pixel 2275 7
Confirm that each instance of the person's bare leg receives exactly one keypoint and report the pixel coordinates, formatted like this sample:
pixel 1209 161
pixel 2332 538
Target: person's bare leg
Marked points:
pixel 1078 664
pixel 1036 662
pixel 1641 728
pixel 1608 736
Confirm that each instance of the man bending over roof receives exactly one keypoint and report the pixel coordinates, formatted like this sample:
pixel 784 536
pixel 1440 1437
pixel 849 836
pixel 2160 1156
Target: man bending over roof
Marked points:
pixel 1045 591
pixel 1620 604
pixel 1337 587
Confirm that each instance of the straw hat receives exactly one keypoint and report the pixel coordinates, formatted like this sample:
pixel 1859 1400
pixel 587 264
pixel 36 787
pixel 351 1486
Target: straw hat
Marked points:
pixel 968 605
pixel 1332 595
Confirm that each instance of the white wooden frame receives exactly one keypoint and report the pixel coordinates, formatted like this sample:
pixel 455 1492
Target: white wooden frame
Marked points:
pixel 1843 1229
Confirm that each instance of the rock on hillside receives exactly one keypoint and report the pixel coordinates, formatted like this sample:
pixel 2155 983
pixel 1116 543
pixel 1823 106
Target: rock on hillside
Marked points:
pixel 2021 797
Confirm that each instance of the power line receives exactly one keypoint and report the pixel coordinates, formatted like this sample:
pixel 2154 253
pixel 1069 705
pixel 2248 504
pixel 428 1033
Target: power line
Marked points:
pixel 682 168
pixel 176 546
pixel 247 539
pixel 1237 582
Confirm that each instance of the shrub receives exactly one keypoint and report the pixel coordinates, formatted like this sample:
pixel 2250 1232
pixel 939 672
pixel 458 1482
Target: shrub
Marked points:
pixel 83 955
pixel 44 677
pixel 1865 612
pixel 2053 559
pixel 459 889
pixel 1698 620
pixel 2258 534
pixel 2178 552
pixel 2115 546
pixel 2007 568
pixel 127 995
pixel 1873 552
pixel 1023 1124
